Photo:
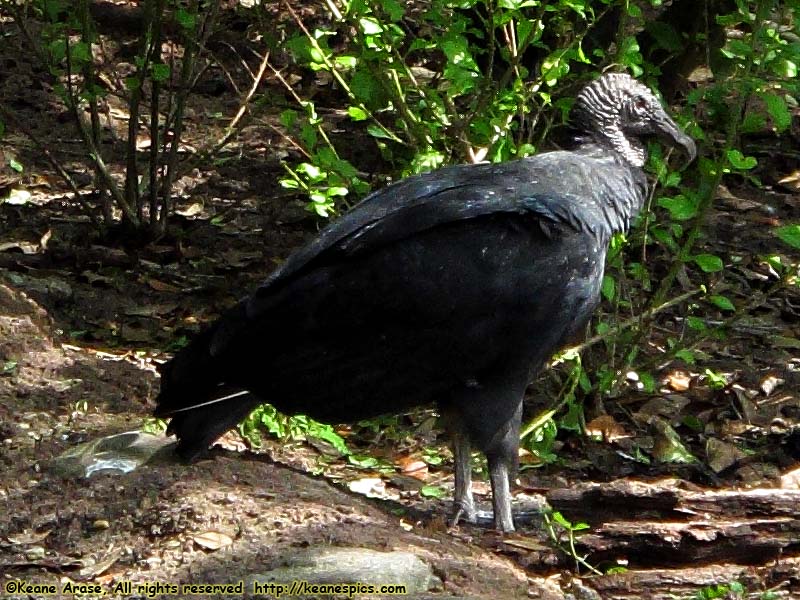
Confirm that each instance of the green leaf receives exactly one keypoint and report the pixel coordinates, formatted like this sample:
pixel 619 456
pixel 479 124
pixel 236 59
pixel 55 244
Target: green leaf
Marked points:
pixel 362 461
pixel 288 118
pixel 346 62
pixel 308 134
pixel 524 29
pixel 686 356
pixel 788 69
pixel 322 210
pixel 696 323
pixel 432 491
pixel 311 171
pixel 516 4
pixel 666 37
pixel 673 179
pixel 132 83
pixel 737 49
pixel 185 19
pixel 559 519
pixel 394 9
pixel 630 55
pixel 648 382
pixel 377 132
pixel 80 52
pixel 709 263
pixel 721 302
pixel 753 123
pixel 608 288
pixel 777 109
pixel 160 72
pixel 356 113
pixel 634 11
pixel 58 50
pixel 680 207
pixel 8 367
pixel 300 47
pixel 789 234
pixel 337 191
pixel 14 164
pixel 367 89
pixel 370 26
pixel 427 161
pixel 739 161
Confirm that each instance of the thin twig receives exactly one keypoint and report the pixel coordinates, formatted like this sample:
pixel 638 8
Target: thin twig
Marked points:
pixel 174 170
pixel 155 117
pixel 613 331
pixel 336 75
pixel 302 102
pixel 97 160
pixel 187 67
pixel 45 151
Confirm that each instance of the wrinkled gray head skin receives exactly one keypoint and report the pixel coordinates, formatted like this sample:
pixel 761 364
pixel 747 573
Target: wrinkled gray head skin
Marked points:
pixel 617 110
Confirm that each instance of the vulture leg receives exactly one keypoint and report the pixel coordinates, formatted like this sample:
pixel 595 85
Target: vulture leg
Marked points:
pixel 502 457
pixel 488 415
pixel 463 503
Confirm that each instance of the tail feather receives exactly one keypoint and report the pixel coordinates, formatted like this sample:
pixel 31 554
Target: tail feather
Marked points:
pixel 198 428
pixel 194 390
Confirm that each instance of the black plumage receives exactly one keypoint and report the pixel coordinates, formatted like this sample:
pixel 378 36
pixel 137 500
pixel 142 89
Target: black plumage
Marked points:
pixel 452 287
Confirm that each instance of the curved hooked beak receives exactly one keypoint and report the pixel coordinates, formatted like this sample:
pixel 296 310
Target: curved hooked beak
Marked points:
pixel 668 131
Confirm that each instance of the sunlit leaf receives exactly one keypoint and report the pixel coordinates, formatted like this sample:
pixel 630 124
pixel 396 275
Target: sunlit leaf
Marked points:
pixel 432 491
pixel 680 207
pixel 779 111
pixel 356 113
pixel 740 161
pixel 789 234
pixel 370 26
pixel 709 263
pixel 721 302
pixel 608 288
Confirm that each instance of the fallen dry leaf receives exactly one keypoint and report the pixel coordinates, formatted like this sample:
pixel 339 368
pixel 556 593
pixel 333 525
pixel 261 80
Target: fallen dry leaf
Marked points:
pixel 770 383
pixel 527 544
pixel 679 381
pixel 212 540
pixel 722 455
pixel 413 467
pixel 606 426
pixel 792 180
pixel 161 286
pixel 791 479
pixel 371 487
pixel 28 537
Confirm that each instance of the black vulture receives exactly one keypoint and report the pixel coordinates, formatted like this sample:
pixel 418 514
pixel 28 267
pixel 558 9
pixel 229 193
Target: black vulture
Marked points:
pixel 452 287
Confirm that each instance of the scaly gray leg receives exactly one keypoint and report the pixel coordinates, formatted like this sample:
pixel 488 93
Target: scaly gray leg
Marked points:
pixel 503 457
pixel 499 473
pixel 463 503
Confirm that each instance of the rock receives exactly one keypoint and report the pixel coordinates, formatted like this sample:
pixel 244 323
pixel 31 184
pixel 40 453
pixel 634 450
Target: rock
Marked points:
pixel 359 566
pixel 50 288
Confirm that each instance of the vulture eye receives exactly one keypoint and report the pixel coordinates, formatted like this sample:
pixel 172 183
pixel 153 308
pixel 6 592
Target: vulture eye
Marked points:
pixel 640 102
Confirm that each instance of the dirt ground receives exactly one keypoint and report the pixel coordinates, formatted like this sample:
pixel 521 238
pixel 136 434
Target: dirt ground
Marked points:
pixel 83 321
pixel 146 521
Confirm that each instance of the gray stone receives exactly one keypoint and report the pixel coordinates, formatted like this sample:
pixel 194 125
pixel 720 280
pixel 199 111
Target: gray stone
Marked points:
pixel 330 565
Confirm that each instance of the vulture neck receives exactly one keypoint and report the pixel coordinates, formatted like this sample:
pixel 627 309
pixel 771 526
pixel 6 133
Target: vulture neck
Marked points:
pixel 611 135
